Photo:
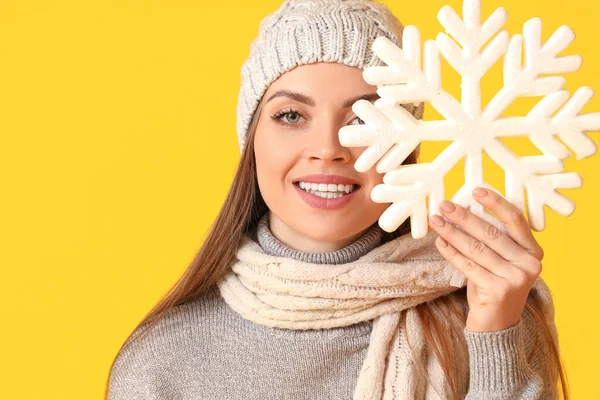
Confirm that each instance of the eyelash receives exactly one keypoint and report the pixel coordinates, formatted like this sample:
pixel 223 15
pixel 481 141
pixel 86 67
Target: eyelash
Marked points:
pixel 277 117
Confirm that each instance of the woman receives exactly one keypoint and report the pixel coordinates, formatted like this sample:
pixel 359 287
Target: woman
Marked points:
pixel 297 293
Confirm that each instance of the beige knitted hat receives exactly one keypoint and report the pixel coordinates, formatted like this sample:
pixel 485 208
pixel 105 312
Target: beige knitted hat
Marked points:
pixel 308 31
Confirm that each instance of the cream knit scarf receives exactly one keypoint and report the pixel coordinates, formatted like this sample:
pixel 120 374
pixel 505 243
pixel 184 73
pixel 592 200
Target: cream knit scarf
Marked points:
pixel 283 292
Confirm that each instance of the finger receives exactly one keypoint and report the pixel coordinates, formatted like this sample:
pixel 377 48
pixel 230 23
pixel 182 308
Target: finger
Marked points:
pixel 516 225
pixel 472 248
pixel 481 277
pixel 498 241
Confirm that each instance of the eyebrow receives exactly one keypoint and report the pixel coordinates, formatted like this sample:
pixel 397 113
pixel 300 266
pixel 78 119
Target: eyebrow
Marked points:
pixel 302 98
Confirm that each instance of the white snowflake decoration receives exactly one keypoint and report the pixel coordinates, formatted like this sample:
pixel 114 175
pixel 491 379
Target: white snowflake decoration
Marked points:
pixel 392 133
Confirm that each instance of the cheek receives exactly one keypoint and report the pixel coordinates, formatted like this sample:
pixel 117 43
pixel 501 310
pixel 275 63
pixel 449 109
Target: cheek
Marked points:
pixel 372 178
pixel 274 158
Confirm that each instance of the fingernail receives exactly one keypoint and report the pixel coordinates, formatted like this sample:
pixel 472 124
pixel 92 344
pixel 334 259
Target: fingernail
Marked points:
pixel 447 206
pixel 480 192
pixel 437 220
pixel 442 242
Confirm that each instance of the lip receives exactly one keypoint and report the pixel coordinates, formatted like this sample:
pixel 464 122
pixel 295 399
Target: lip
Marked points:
pixel 325 178
pixel 328 204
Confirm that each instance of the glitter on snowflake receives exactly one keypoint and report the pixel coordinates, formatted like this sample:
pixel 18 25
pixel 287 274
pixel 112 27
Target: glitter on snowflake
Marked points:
pixel 391 133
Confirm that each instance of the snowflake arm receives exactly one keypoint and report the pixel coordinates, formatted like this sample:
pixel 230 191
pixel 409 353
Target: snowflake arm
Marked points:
pixel 391 133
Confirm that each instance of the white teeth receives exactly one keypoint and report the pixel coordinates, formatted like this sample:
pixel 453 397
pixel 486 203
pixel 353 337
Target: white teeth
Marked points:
pixel 328 195
pixel 327 190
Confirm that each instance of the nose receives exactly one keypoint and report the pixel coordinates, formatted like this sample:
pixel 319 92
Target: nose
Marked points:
pixel 324 145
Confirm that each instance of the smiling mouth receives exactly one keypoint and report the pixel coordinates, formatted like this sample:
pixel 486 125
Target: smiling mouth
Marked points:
pixel 326 194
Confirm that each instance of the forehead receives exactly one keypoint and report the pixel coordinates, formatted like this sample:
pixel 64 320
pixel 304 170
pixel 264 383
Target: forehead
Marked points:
pixel 323 81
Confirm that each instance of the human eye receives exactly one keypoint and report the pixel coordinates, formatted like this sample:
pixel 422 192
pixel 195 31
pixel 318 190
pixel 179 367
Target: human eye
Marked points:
pixel 282 115
pixel 361 121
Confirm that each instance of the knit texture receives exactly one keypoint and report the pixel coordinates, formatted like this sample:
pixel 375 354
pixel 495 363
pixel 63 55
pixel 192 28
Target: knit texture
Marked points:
pixel 371 239
pixel 308 31
pixel 204 349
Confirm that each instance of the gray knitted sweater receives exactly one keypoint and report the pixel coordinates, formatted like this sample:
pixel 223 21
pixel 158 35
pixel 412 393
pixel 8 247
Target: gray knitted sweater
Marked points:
pixel 206 350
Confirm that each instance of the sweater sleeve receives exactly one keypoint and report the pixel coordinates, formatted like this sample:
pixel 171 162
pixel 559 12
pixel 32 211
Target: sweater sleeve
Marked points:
pixel 512 363
pixel 131 379
pixel 141 371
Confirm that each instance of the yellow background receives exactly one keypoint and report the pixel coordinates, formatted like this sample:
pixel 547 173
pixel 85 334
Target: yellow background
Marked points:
pixel 117 121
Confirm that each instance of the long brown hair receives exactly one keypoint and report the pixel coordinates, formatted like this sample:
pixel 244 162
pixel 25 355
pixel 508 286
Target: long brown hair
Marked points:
pixel 241 212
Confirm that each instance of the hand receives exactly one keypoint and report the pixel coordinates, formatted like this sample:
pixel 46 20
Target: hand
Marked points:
pixel 500 267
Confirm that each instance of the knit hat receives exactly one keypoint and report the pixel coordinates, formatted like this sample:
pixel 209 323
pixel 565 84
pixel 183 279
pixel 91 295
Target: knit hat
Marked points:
pixel 308 31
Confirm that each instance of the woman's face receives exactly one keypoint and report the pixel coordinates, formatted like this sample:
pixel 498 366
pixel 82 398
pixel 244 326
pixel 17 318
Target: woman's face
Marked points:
pixel 296 136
